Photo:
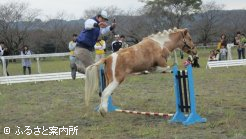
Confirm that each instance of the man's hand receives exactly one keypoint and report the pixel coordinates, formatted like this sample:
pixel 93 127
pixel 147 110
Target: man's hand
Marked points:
pixel 102 24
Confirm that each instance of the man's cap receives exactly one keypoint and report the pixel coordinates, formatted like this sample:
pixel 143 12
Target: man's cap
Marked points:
pixel 117 36
pixel 104 15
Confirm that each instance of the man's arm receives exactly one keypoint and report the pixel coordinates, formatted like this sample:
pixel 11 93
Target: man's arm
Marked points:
pixel 108 28
pixel 105 30
pixel 90 24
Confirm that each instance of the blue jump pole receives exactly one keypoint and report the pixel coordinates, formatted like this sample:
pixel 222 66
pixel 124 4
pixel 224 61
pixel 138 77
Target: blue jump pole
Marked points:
pixel 102 84
pixel 179 116
pixel 193 116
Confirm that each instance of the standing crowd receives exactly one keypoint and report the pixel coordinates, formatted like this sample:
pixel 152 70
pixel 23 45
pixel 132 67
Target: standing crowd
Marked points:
pixel 223 50
pixel 26 62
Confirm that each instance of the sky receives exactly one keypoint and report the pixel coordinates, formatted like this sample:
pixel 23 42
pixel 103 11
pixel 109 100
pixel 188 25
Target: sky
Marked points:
pixel 74 8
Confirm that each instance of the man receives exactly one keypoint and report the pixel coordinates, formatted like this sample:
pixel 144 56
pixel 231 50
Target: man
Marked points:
pixel 87 38
pixel 71 47
pixel 243 43
pixel 117 44
pixel 4 51
pixel 237 42
pixel 124 44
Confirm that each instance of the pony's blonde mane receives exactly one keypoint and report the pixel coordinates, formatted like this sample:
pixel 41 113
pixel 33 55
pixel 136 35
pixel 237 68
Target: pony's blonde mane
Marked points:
pixel 162 37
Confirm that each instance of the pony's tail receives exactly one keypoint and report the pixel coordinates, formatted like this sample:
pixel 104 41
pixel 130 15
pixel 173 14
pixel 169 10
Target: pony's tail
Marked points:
pixel 92 80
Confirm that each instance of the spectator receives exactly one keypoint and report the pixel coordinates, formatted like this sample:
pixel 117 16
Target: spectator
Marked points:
pixel 237 42
pixel 117 44
pixel 122 39
pixel 71 47
pixel 213 56
pixel 100 49
pixel 222 44
pixel 4 51
pixel 223 53
pixel 26 62
pixel 86 40
pixel 195 62
pixel 243 43
pixel 187 62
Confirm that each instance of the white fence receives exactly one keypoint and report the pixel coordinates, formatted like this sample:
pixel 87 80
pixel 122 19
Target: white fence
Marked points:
pixel 226 63
pixel 36 56
pixel 38 77
pixel 35 77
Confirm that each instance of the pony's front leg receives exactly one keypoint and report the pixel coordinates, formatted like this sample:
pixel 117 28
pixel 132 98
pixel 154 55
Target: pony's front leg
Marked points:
pixel 103 109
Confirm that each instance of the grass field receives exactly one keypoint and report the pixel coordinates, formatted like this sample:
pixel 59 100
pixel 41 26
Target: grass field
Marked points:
pixel 220 97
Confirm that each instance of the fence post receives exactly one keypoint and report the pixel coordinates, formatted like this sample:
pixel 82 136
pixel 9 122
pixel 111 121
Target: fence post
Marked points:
pixel 4 66
pixel 38 65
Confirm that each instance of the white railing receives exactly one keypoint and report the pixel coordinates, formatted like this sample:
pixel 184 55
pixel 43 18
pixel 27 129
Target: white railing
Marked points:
pixel 226 63
pixel 35 77
pixel 37 56
pixel 38 77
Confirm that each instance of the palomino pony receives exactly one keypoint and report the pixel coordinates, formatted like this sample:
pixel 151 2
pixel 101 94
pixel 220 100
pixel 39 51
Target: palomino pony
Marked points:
pixel 152 51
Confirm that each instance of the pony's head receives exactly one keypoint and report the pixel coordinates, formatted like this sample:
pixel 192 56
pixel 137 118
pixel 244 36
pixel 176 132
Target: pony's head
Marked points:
pixel 184 41
pixel 175 38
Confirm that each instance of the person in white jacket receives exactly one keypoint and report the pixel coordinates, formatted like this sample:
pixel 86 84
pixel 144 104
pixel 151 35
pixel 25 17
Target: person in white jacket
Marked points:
pixel 26 62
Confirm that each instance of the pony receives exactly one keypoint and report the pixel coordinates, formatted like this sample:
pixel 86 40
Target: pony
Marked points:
pixel 152 51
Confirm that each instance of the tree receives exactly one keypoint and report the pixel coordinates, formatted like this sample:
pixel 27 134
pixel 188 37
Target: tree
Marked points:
pixel 111 10
pixel 207 22
pixel 233 22
pixel 58 32
pixel 15 21
pixel 170 13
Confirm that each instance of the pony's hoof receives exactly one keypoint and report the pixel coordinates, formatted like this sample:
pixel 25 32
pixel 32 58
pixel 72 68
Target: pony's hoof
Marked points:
pixel 102 111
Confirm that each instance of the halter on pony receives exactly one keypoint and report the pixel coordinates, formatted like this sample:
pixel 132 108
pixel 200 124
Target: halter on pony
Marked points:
pixel 185 44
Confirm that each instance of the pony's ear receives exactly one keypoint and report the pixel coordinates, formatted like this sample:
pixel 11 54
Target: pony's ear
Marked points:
pixel 185 31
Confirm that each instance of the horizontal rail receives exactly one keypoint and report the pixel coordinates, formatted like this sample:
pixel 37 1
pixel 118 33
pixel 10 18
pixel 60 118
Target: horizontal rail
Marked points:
pixel 38 77
pixel 226 63
pixel 145 113
pixel 35 56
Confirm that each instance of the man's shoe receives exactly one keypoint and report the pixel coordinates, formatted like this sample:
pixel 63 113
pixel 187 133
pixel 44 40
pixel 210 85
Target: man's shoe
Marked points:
pixel 73 73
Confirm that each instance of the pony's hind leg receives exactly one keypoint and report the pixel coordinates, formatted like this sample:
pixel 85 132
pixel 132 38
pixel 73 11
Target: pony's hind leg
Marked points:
pixel 105 95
